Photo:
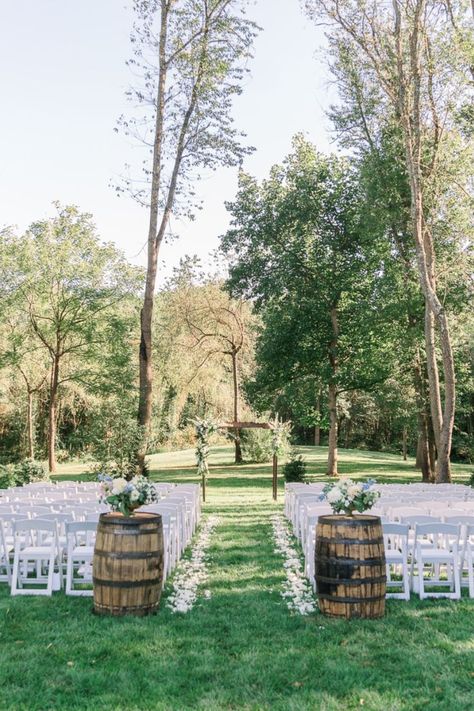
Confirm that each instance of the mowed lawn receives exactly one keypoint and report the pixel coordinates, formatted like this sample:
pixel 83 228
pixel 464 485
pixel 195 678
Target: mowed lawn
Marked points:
pixel 241 649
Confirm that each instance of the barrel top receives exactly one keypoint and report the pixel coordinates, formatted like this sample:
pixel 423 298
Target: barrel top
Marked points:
pixel 355 520
pixel 135 520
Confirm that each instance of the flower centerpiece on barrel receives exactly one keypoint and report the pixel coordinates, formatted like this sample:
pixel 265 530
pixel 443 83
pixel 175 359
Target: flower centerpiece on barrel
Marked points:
pixel 347 496
pixel 128 553
pixel 126 496
pixel 349 554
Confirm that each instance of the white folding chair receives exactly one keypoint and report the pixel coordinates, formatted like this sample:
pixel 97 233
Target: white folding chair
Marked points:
pixel 5 553
pixel 36 541
pixel 468 556
pixel 396 558
pixel 441 552
pixel 80 553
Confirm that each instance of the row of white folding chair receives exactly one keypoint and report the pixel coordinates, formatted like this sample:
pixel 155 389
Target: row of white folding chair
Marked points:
pixel 448 544
pixel 408 525
pixel 38 547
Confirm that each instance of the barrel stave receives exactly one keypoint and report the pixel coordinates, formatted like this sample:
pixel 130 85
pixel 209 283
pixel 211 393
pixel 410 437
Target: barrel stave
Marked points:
pixel 350 566
pixel 128 564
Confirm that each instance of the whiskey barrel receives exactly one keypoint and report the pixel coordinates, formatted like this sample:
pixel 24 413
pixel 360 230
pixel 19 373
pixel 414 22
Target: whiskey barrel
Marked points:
pixel 350 566
pixel 128 564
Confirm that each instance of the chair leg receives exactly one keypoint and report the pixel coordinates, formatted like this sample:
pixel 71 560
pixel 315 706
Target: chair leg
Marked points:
pixel 14 582
pixel 470 573
pixel 69 575
pixel 457 579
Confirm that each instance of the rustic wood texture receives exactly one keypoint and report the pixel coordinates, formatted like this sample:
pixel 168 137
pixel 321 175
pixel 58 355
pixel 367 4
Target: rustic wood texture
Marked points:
pixel 128 564
pixel 350 566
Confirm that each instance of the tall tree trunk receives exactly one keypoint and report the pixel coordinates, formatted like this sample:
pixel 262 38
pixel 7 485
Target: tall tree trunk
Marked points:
pixel 235 380
pixel 332 394
pixel 423 460
pixel 317 427
pixel 52 421
pixel 29 426
pixel 409 104
pixel 332 452
pixel 404 443
pixel 146 315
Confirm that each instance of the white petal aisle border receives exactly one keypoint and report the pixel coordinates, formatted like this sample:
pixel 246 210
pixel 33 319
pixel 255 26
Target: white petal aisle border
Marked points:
pixel 192 572
pixel 296 589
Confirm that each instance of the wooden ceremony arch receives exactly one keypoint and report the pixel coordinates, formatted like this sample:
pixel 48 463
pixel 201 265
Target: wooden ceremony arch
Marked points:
pixel 250 426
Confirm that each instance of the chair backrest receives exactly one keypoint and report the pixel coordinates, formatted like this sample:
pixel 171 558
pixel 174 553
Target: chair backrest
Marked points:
pixel 458 517
pixel 400 529
pixel 34 511
pixel 80 533
pixel 402 511
pixel 439 533
pixel 413 521
pixel 34 524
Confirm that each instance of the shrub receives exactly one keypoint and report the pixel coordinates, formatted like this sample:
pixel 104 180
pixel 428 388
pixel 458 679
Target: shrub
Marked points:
pixel 28 471
pixel 116 442
pixel 7 476
pixel 471 481
pixel 295 469
pixel 256 445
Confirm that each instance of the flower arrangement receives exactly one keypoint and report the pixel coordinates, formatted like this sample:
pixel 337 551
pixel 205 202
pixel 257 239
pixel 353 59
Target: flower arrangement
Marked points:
pixel 280 436
pixel 126 496
pixel 347 496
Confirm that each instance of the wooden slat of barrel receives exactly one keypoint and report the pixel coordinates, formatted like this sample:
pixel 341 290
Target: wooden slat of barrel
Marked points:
pixel 128 564
pixel 350 566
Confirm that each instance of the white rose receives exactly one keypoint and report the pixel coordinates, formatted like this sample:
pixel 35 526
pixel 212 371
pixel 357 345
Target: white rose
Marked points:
pixel 334 495
pixel 135 495
pixel 119 485
pixel 354 490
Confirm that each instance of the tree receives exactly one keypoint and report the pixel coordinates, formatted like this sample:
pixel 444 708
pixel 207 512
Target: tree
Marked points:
pixel 189 56
pixel 298 246
pixel 418 56
pixel 26 357
pixel 216 327
pixel 65 284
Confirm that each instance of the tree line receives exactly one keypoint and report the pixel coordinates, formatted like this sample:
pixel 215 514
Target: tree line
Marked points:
pixel 347 300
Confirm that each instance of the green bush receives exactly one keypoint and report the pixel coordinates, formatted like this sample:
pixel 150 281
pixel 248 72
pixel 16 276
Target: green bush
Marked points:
pixel 29 471
pixel 471 481
pixel 116 441
pixel 7 476
pixel 256 445
pixel 295 469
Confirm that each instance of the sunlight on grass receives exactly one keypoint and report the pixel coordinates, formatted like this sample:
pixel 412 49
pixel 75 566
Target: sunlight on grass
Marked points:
pixel 241 649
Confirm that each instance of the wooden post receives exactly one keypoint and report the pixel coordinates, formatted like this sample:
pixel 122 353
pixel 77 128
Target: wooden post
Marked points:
pixel 275 477
pixel 204 485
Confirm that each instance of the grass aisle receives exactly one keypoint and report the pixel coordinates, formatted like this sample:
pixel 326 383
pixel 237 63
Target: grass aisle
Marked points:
pixel 242 649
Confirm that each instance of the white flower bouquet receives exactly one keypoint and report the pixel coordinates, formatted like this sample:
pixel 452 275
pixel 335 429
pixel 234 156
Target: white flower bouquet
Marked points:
pixel 347 496
pixel 126 496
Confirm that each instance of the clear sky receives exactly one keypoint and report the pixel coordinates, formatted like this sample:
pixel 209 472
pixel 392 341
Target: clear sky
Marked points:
pixel 62 79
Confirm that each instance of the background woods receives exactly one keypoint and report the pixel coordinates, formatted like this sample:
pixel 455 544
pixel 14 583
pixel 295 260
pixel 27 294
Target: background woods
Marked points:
pixel 344 297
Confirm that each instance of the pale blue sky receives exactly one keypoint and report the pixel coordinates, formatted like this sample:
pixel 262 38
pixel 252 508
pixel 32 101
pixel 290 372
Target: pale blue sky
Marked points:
pixel 62 78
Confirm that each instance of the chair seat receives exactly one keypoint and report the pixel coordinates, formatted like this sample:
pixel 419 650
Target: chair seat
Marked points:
pixel 83 552
pixel 437 555
pixel 35 552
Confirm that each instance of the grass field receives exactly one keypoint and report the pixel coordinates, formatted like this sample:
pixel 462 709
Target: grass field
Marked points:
pixel 242 649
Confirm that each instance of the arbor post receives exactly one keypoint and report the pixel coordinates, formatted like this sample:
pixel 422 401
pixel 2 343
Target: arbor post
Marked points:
pixel 275 477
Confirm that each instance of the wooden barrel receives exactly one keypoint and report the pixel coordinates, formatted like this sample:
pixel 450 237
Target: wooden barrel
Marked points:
pixel 350 566
pixel 128 564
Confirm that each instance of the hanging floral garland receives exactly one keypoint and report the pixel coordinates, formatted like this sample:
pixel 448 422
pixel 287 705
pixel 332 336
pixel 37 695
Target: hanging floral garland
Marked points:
pixel 204 430
pixel 280 436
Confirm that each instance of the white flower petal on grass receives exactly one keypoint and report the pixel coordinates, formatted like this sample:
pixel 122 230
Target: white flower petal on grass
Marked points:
pixel 192 573
pixel 296 591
